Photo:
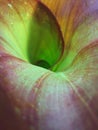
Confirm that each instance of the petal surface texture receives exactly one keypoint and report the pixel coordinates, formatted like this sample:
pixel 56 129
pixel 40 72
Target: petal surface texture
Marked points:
pixel 48 64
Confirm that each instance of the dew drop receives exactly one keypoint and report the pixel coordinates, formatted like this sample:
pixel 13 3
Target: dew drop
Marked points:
pixel 9 5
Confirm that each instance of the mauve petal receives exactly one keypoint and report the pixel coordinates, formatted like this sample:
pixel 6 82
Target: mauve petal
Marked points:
pixel 61 107
pixel 17 80
pixel 37 99
pixel 33 98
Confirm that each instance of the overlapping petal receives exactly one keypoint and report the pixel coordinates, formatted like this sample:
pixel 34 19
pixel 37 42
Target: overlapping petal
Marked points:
pixel 36 98
pixel 69 13
pixel 29 31
pixel 85 35
pixel 19 86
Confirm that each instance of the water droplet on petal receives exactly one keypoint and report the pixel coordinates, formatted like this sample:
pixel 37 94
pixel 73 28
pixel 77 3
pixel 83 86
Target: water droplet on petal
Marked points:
pixel 10 5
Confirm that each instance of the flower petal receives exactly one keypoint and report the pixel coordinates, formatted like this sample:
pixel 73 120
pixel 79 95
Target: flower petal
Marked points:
pixel 29 31
pixel 68 13
pixel 39 102
pixel 85 71
pixel 35 98
pixel 84 34
pixel 17 80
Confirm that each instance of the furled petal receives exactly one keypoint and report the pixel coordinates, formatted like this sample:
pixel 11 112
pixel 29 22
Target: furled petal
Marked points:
pixel 83 75
pixel 69 13
pixel 29 31
pixel 37 99
pixel 85 33
pixel 25 38
pixel 84 36
pixel 19 85
pixel 33 98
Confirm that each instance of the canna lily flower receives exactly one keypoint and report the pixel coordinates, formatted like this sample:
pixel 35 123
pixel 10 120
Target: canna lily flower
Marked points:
pixel 48 64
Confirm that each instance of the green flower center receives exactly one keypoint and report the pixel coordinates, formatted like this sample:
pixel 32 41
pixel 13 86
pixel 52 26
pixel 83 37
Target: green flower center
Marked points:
pixel 33 36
